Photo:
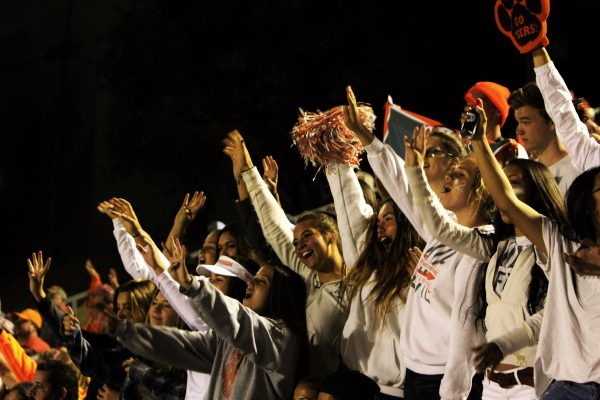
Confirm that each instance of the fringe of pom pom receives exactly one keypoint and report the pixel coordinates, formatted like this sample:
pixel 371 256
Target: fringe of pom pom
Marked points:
pixel 323 140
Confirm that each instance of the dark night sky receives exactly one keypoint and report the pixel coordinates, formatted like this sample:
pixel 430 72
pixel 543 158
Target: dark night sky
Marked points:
pixel 132 99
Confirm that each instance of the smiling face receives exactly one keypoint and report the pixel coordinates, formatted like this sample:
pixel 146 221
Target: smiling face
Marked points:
pixel 386 225
pixel 257 292
pixel 535 131
pixel 458 187
pixel 437 163
pixel 313 248
pixel 161 313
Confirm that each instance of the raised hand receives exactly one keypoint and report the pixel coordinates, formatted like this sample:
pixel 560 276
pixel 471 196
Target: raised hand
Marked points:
pixel 414 149
pixel 190 207
pixel 37 272
pixel 107 209
pixel 178 269
pixel 585 261
pixel 352 119
pixel 151 253
pixel 271 175
pixel 487 355
pixel 481 127
pixel 186 214
pixel 89 267
pixel 113 279
pixel 125 211
pixel 236 149
pixel 70 323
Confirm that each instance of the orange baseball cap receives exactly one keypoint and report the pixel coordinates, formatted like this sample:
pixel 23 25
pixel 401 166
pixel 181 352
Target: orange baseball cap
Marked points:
pixel 32 315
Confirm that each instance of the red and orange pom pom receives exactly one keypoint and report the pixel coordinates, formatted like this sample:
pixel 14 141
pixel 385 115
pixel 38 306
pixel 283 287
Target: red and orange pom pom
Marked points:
pixel 323 139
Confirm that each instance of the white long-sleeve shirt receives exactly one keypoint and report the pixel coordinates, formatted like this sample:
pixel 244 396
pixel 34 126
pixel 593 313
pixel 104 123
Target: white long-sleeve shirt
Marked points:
pixel 438 330
pixel 136 266
pixel 326 308
pixel 367 345
pixel 506 313
pixel 569 343
pixel 584 150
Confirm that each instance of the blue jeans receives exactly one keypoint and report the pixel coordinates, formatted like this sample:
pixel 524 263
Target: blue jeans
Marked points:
pixel 565 390
pixel 427 387
pixel 421 387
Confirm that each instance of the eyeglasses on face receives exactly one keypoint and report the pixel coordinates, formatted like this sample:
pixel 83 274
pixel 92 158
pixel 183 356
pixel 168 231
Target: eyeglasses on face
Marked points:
pixel 437 153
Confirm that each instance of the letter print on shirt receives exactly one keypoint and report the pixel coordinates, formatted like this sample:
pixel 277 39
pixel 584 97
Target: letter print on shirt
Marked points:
pixel 427 269
pixel 505 263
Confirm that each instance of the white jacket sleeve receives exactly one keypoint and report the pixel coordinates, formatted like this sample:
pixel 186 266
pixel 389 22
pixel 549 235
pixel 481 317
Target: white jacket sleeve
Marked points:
pixel 389 168
pixel 137 267
pixel 352 211
pixel 439 224
pixel 181 304
pixel 278 230
pixel 584 150
pixel 131 258
pixel 526 335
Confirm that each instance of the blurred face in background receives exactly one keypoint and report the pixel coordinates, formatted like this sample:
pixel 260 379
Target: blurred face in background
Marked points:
pixel 161 313
pixel 208 252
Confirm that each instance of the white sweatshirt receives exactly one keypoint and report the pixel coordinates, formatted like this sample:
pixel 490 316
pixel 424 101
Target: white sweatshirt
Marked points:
pixel 366 345
pixel 439 329
pixel 507 318
pixel 326 310
pixel 136 266
pixel 569 344
pixel 507 310
pixel 584 150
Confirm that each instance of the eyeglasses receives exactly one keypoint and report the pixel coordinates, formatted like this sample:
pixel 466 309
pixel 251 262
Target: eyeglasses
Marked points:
pixel 437 153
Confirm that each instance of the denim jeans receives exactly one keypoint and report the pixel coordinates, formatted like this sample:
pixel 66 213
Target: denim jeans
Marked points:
pixel 421 387
pixel 565 390
pixel 427 387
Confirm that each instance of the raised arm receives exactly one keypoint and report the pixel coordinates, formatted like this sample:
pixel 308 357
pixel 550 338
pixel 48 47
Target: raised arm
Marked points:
pixel 185 215
pixel 264 341
pixel 525 218
pixel 386 165
pixel 353 214
pixel 271 175
pixel 464 239
pixel 278 230
pixel 574 134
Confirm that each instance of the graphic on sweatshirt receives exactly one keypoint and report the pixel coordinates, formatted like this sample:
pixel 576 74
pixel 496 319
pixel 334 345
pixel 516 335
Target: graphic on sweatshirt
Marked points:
pixel 230 372
pixel 427 269
pixel 505 263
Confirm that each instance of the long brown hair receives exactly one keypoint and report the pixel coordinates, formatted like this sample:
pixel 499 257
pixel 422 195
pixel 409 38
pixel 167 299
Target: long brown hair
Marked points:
pixel 392 276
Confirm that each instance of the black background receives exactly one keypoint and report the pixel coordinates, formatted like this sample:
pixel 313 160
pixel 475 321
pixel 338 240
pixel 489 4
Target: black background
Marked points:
pixel 132 99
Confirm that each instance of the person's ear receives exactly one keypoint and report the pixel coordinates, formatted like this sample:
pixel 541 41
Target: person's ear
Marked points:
pixel 62 393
